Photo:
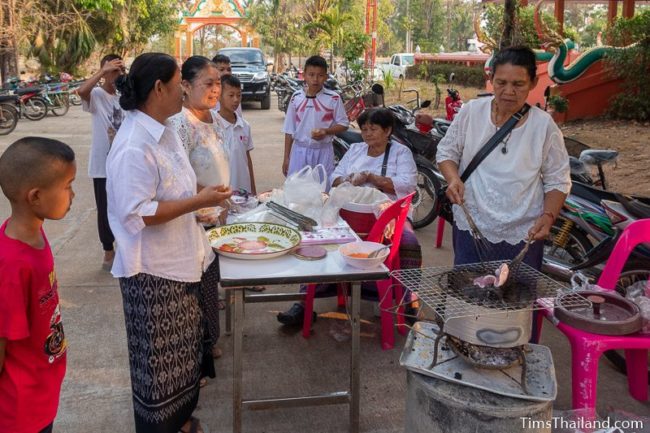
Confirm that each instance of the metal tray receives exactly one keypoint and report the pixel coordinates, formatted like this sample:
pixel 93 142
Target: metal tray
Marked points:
pixel 418 354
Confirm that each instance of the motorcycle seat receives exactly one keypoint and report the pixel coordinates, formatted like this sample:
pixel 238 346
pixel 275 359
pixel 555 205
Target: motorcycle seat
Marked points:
pixel 635 207
pixel 441 125
pixel 597 156
pixel 27 90
pixel 591 194
pixel 12 99
pixel 577 167
pixel 350 136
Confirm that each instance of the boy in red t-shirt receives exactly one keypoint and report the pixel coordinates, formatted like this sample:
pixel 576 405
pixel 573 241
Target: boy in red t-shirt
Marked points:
pixel 36 176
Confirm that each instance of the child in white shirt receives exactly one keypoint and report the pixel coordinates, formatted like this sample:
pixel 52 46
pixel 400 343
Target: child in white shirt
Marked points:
pixel 313 117
pixel 223 68
pixel 103 103
pixel 237 136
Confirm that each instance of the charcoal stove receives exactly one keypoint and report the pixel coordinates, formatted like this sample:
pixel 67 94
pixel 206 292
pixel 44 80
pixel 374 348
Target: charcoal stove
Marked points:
pixel 486 329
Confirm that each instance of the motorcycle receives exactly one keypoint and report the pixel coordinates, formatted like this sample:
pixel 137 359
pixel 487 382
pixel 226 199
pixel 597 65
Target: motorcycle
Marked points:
pixel 453 102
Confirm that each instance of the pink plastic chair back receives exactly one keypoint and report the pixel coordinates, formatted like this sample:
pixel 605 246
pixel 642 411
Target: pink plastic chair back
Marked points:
pixel 636 233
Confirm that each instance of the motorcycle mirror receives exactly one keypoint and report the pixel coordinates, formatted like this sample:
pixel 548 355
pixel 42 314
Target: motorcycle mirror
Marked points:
pixel 377 88
pixel 426 104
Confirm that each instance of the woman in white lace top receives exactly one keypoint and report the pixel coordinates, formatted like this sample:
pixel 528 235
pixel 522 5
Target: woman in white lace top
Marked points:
pixel 196 124
pixel 202 137
pixel 518 190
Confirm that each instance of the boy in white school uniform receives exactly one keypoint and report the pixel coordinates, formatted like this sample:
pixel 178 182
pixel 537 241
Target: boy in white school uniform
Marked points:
pixel 314 116
pixel 224 68
pixel 237 138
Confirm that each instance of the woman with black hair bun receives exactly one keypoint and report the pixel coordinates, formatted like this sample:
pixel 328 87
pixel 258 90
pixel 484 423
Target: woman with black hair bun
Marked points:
pixel 163 258
pixel 516 192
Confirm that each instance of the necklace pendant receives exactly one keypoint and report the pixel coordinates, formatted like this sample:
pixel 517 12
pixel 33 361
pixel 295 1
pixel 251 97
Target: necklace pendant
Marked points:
pixel 504 150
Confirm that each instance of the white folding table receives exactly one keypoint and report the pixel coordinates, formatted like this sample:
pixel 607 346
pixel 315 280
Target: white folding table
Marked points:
pixel 237 274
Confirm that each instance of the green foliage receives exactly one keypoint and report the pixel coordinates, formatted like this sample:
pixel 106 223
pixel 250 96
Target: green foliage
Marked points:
pixel 469 76
pixel 330 27
pixel 558 103
pixel 426 21
pixel 131 24
pixel 423 72
pixel 389 80
pixel 355 45
pixel 632 65
pixel 524 33
pixel 58 35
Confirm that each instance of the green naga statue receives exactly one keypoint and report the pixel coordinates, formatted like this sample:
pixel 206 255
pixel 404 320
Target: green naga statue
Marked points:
pixel 554 50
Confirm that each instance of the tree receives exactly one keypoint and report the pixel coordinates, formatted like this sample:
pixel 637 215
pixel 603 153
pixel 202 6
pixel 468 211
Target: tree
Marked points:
pixel 631 65
pixel 426 20
pixel 128 25
pixel 509 16
pixel 331 24
pixel 278 23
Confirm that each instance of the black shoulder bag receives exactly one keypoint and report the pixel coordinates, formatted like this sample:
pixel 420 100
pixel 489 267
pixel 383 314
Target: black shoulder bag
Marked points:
pixel 443 204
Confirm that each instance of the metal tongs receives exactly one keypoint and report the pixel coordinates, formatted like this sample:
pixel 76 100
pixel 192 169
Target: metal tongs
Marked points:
pixel 303 222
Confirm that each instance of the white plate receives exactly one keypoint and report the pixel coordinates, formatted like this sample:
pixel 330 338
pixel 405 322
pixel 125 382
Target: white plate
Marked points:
pixel 253 241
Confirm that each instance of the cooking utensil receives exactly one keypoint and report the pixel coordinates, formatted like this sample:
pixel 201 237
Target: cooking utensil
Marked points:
pixel 378 251
pixel 481 242
pixel 519 257
pixel 304 223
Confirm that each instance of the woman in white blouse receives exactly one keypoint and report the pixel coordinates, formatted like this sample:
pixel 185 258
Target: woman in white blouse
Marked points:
pixel 363 165
pixel 163 256
pixel 518 190
pixel 202 138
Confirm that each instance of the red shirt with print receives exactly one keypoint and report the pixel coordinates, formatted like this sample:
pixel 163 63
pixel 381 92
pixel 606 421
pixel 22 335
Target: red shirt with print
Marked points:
pixel 30 320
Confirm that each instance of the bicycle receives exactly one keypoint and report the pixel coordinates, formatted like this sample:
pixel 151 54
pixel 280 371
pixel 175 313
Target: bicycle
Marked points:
pixel 57 98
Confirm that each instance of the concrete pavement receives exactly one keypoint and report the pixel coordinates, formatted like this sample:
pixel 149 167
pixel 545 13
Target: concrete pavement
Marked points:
pixel 96 392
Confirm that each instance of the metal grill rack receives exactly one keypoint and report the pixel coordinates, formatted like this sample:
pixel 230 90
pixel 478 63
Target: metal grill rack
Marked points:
pixel 451 293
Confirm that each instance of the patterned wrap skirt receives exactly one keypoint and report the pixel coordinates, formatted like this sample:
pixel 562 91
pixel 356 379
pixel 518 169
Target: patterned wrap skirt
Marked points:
pixel 168 343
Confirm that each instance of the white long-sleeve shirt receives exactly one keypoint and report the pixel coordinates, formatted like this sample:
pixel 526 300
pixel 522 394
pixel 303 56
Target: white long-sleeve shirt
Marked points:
pixel 400 167
pixel 147 164
pixel 505 194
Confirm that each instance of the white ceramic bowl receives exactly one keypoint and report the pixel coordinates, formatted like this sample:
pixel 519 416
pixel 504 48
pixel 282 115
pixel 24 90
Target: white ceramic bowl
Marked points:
pixel 365 248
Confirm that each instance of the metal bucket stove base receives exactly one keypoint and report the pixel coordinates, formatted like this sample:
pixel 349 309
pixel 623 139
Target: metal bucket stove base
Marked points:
pixel 418 355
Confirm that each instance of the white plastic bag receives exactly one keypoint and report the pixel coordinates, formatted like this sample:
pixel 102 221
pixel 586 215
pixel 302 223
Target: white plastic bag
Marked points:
pixel 347 195
pixel 303 191
pixel 580 282
pixel 210 170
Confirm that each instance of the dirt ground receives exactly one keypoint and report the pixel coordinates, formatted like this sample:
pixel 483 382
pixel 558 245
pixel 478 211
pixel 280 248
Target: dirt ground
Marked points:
pixel 631 174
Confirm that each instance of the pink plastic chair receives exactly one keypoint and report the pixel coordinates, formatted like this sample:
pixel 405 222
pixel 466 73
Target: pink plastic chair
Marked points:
pixel 586 348
pixel 387 289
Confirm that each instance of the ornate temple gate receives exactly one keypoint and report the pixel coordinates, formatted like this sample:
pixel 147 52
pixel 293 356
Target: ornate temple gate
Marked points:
pixel 231 13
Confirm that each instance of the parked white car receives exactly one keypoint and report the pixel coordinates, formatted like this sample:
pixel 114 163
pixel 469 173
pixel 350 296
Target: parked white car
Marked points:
pixel 398 64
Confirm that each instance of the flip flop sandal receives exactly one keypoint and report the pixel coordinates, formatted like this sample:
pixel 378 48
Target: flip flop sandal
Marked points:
pixel 203 382
pixel 221 305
